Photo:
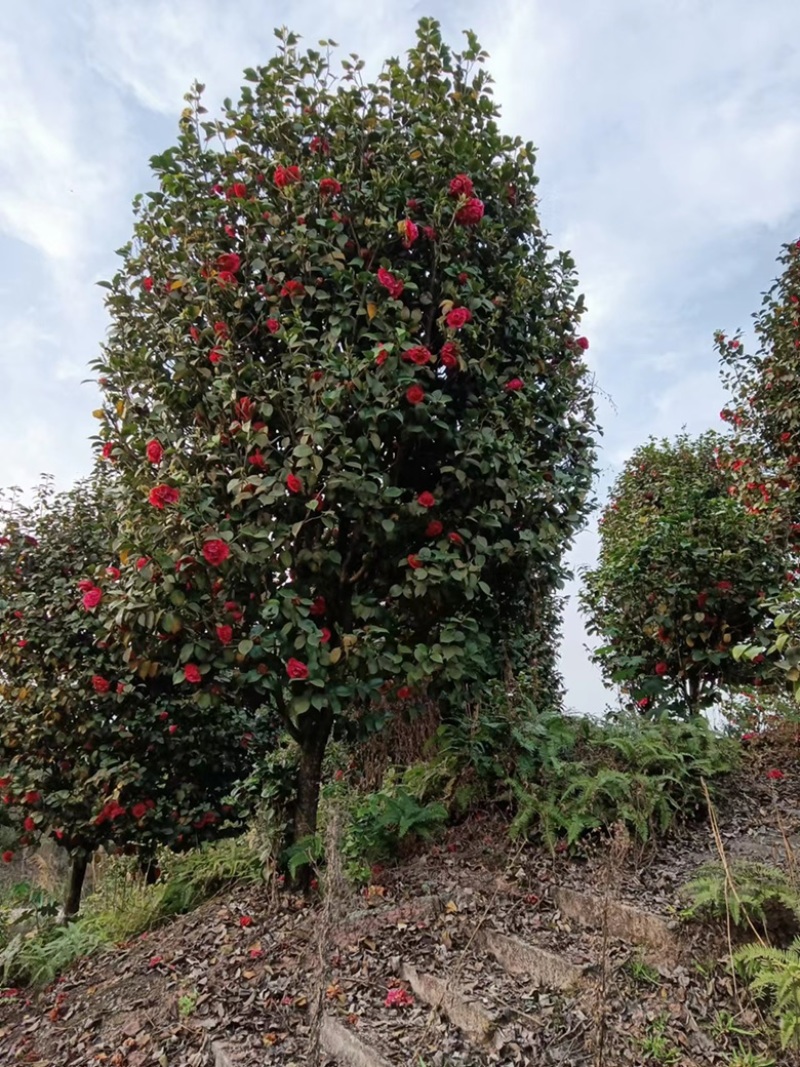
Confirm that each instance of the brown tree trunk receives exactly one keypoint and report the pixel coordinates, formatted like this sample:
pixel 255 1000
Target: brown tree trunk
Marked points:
pixel 313 741
pixel 77 873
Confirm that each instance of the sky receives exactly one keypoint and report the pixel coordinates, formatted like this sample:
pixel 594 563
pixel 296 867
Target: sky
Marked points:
pixel 669 156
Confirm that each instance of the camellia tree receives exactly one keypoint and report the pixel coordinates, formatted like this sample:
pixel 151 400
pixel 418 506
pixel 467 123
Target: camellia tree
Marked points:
pixel 90 753
pixel 344 393
pixel 763 458
pixel 682 578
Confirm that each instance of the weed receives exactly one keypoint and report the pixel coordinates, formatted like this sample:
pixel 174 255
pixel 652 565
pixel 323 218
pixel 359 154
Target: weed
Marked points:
pixel 187 1003
pixel 724 1022
pixel 657 1046
pixel 742 1057
pixel 641 972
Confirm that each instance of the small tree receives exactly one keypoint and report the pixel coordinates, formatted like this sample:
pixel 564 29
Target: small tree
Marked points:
pixel 344 389
pixel 90 753
pixel 682 578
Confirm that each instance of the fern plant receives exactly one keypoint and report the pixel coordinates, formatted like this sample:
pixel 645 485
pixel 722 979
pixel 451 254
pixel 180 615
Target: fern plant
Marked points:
pixel 752 894
pixel 775 973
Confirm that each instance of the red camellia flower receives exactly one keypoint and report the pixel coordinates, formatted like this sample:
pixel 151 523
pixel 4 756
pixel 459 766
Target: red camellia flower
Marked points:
pixel 221 330
pixel 273 325
pixel 161 495
pixel 244 409
pixel 147 284
pixel 113 572
pixel 514 385
pixel 458 317
pixel 415 394
pixel 138 811
pixel 8 856
pixel 724 586
pixel 319 144
pixel 173 728
pixel 154 451
pixel 414 562
pixel 293 289
pixel 216 552
pixel 583 343
pixel 381 357
pixel 256 953
pixel 85 584
pixel 749 736
pixel 107 449
pixel 398 998
pixel 330 187
pixel 449 355
pixel 191 673
pixel 775 775
pixel 215 355
pixel 389 282
pixel 229 262
pixel 141 563
pixel 662 667
pixel 29 824
pixel 225 277
pixel 225 634
pixel 455 538
pixel 426 500
pixel 429 232
pixel 296 670
pixel 100 684
pixel 419 355
pixel 237 191
pixel 434 528
pixel 461 185
pixel 293 483
pixel 471 213
pixel 246 920
pixel 324 635
pixel 257 460
pixel 318 608
pixel 32 797
pixel 409 230
pixel 92 598
pixel 120 687
pixel 286 176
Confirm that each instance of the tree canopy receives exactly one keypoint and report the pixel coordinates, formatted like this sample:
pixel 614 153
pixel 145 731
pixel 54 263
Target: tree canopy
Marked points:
pixel 682 578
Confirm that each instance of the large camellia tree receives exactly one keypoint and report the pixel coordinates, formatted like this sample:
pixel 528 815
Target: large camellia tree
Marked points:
pixel 763 458
pixel 91 752
pixel 344 393
pixel 682 578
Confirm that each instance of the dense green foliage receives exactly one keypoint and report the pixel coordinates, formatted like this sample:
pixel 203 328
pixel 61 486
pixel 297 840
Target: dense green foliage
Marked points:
pixel 681 580
pixel 344 395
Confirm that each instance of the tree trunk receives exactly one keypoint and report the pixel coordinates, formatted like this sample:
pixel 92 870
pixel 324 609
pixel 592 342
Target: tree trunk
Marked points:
pixel 313 742
pixel 77 873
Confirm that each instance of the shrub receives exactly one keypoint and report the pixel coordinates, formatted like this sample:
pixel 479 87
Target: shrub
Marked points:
pixel 751 895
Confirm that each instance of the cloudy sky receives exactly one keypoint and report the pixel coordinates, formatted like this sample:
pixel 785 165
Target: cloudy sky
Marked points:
pixel 669 156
